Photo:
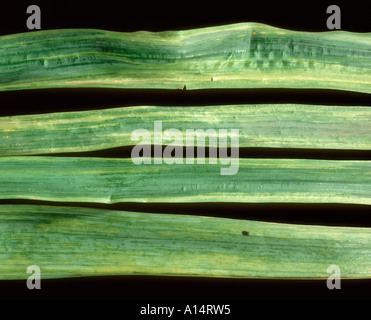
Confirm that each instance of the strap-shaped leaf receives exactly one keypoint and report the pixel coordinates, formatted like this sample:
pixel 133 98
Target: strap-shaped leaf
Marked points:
pixel 275 126
pixel 245 55
pixel 108 180
pixel 73 241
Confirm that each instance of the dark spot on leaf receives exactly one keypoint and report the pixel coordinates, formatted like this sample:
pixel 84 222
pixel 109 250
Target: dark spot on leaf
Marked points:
pixel 245 233
pixel 184 88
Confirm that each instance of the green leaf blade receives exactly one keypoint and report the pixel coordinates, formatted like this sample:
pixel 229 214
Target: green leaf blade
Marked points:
pixel 244 55
pixel 75 242
pixel 105 180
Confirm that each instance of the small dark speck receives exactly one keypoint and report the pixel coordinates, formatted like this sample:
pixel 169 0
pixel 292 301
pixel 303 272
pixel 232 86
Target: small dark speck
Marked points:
pixel 245 233
pixel 211 79
pixel 184 88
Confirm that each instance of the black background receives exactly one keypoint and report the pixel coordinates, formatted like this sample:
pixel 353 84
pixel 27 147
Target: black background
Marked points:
pixel 175 15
